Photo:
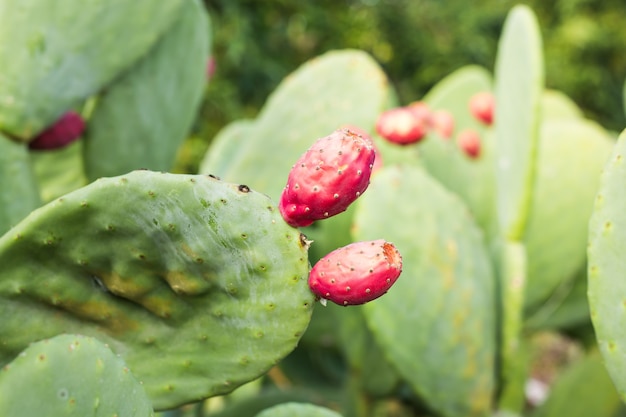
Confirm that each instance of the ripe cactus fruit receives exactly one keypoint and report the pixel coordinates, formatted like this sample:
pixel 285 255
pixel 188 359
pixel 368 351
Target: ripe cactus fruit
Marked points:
pixel 468 141
pixel 64 131
pixel 400 125
pixel 443 123
pixel 357 273
pixel 327 178
pixel 481 106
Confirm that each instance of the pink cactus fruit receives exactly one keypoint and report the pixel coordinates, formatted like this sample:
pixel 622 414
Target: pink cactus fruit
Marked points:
pixel 357 273
pixel 210 67
pixel 327 178
pixel 378 160
pixel 64 131
pixel 443 123
pixel 481 106
pixel 468 141
pixel 401 126
pixel 422 112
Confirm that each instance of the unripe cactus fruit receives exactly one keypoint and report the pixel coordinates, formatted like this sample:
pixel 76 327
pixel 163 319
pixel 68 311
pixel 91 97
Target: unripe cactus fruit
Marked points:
pixel 327 178
pixel 400 125
pixel 481 106
pixel 468 141
pixel 357 273
pixel 443 123
pixel 64 131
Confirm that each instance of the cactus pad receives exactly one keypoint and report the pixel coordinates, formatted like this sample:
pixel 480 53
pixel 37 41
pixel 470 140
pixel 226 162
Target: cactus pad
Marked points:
pixel 436 325
pixel 70 376
pixel 141 119
pixel 298 410
pixel 607 265
pixel 519 84
pixel 198 284
pixel 54 56
pixel 18 187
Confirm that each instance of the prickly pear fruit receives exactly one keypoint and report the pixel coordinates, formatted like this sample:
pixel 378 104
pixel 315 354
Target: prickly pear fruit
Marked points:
pixel 421 111
pixel 400 125
pixel 468 141
pixel 357 273
pixel 327 178
pixel 64 131
pixel 443 123
pixel 481 106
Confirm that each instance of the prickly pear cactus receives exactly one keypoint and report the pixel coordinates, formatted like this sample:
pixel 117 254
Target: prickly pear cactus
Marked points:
pixel 607 263
pixel 436 325
pixel 19 193
pixel 519 83
pixel 142 118
pixel 198 284
pixel 70 375
pixel 571 153
pixel 293 409
pixel 54 56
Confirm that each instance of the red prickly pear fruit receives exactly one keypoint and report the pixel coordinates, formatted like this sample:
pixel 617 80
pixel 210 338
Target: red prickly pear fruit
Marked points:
pixel 401 126
pixel 327 178
pixel 210 68
pixel 422 111
pixel 63 132
pixel 481 106
pixel 378 160
pixel 468 141
pixel 443 123
pixel 357 273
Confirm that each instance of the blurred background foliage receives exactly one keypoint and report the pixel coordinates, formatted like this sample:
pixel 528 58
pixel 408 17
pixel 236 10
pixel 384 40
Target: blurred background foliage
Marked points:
pixel 417 42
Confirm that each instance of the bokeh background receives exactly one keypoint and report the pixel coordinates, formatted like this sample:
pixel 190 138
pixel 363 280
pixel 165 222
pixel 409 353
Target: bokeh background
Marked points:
pixel 417 42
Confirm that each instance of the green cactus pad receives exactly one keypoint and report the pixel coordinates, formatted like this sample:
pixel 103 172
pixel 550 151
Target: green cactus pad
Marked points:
pixel 571 154
pixel 19 194
pixel 436 325
pixel 333 90
pixel 142 118
pixel 471 179
pixel 226 145
pixel 198 284
pixel 70 376
pixel 298 410
pixel 607 265
pixel 519 80
pixel 59 171
pixel 557 105
pixel 54 56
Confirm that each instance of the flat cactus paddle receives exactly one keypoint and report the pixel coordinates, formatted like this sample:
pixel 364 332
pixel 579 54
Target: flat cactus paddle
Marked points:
pixel 607 263
pixel 56 55
pixel 198 284
pixel 70 376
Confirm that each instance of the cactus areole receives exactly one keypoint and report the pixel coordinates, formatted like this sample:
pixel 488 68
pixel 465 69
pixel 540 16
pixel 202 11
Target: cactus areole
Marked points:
pixel 357 273
pixel 327 178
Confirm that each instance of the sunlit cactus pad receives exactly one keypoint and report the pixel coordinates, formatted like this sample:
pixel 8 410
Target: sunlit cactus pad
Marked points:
pixel 70 376
pixel 607 265
pixel 198 284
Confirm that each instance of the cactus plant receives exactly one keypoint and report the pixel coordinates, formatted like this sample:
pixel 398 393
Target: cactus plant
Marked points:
pixel 171 278
pixel 70 375
pixel 41 80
